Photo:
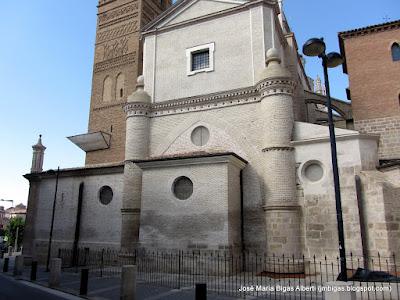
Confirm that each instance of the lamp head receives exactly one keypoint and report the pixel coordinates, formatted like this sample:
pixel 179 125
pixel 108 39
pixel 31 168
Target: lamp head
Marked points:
pixel 51 172
pixel 314 47
pixel 333 59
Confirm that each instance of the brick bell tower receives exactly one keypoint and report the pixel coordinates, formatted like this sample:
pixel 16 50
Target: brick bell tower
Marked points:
pixel 117 64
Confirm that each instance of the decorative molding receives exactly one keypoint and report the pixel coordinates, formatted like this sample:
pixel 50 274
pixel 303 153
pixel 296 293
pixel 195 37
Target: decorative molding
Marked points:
pixel 276 86
pixel 278 148
pixel 104 2
pixel 118 14
pixel 137 109
pixel 205 102
pixel 186 105
pixel 126 59
pixel 115 48
pixel 119 31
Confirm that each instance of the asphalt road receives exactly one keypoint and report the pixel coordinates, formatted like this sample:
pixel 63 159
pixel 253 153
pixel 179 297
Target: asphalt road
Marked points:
pixel 11 289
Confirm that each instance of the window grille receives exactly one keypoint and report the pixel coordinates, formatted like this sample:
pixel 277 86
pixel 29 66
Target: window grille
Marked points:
pixel 200 60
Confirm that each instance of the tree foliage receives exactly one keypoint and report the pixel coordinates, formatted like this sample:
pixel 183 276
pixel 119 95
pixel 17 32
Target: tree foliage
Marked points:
pixel 11 231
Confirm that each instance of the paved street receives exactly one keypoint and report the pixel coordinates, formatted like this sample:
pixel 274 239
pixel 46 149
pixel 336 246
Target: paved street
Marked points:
pixel 98 288
pixel 11 289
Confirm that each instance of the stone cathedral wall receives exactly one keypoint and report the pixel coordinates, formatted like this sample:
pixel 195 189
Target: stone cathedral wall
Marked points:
pixel 236 129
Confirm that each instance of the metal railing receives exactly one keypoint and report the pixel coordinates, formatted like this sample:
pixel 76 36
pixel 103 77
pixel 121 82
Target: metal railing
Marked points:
pixel 244 274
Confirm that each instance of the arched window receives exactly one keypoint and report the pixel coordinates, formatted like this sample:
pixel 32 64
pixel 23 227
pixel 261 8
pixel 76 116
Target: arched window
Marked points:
pixel 120 86
pixel 396 52
pixel 107 89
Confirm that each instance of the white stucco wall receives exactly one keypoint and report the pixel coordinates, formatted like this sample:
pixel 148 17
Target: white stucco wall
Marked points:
pixel 100 224
pixel 208 219
pixel 240 39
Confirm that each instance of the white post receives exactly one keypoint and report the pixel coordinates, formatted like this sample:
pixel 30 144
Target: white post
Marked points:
pixel 128 283
pixel 16 241
pixel 18 265
pixel 55 272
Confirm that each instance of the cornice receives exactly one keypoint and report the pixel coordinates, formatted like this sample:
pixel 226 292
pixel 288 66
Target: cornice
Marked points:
pixel 339 137
pixel 152 28
pixel 248 95
pixel 206 102
pixel 183 160
pixel 93 170
pixel 185 105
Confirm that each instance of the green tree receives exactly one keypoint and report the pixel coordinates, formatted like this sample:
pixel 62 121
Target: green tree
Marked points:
pixel 11 230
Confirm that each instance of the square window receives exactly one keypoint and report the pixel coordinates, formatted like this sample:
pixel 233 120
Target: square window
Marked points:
pixel 200 60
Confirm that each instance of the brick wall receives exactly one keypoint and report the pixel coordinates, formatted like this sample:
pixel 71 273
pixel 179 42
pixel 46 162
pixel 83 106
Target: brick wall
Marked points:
pixel 117 51
pixel 375 85
pixel 374 77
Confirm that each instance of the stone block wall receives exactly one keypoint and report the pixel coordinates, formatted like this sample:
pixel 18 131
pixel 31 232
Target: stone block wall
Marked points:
pixel 317 197
pixel 380 195
pixel 388 129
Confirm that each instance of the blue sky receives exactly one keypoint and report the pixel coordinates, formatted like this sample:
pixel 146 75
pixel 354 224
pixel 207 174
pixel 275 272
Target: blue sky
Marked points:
pixel 46 59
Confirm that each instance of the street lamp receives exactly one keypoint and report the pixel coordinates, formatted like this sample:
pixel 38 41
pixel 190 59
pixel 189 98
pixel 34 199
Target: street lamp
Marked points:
pixel 52 172
pixel 317 47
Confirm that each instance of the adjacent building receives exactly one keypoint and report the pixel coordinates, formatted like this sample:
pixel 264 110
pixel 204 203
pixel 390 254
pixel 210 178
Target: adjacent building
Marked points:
pixel 17 211
pixel 2 217
pixel 372 61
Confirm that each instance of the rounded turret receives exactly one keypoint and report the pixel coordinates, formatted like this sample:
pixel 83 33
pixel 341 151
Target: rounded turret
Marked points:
pixel 140 95
pixel 274 67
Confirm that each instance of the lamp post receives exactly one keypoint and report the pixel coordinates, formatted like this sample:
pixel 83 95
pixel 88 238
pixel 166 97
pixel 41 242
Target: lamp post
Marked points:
pixel 52 172
pixel 317 47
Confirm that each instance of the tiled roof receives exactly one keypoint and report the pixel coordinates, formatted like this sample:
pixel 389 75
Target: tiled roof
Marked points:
pixel 371 29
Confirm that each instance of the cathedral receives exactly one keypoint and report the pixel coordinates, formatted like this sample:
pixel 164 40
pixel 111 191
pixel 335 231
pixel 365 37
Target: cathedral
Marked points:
pixel 206 133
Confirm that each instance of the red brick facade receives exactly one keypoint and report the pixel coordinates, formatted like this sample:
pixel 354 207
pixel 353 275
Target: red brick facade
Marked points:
pixel 118 54
pixel 375 83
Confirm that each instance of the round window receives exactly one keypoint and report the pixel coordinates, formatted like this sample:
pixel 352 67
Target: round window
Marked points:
pixel 182 188
pixel 105 195
pixel 313 171
pixel 200 136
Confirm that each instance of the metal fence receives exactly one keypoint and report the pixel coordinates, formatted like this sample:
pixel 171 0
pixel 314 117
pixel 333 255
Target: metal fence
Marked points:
pixel 244 274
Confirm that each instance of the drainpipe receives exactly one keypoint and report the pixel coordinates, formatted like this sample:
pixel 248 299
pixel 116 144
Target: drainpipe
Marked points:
pixel 77 226
pixel 242 222
pixel 241 212
pixel 361 213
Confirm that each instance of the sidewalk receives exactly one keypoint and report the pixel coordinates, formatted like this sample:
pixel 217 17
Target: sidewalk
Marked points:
pixel 109 288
